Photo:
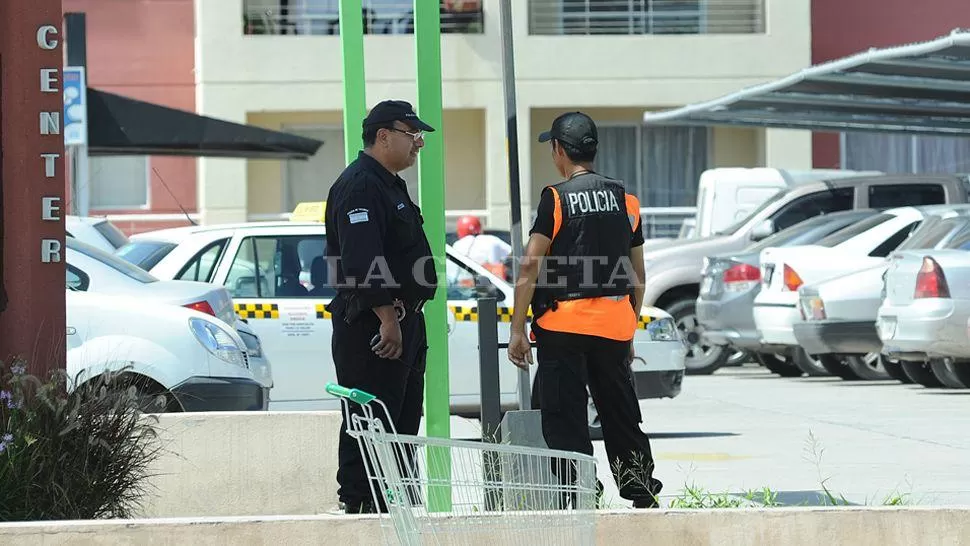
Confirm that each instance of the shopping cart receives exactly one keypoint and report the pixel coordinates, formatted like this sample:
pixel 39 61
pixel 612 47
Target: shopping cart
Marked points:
pixel 443 491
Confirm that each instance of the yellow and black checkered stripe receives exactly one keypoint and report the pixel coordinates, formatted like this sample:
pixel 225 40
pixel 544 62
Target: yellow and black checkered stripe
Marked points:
pixel 258 310
pixel 462 313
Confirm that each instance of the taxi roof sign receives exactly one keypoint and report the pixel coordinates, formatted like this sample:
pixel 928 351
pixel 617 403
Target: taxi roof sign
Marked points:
pixel 310 211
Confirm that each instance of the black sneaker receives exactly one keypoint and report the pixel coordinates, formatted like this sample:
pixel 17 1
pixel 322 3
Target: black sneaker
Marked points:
pixel 362 507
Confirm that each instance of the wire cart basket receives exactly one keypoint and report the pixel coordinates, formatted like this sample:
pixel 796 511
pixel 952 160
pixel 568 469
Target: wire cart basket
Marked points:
pixel 442 491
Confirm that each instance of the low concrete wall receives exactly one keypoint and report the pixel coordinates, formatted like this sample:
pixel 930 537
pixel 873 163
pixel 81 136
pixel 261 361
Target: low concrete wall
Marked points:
pixel 749 527
pixel 245 464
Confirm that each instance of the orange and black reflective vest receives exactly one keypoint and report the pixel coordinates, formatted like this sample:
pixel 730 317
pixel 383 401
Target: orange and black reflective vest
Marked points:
pixel 590 251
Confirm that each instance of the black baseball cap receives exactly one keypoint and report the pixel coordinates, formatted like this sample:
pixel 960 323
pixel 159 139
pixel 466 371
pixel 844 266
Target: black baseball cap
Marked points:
pixel 574 128
pixel 395 110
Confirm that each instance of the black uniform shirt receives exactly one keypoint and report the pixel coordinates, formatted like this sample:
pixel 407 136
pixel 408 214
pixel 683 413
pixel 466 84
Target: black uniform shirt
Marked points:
pixel 375 231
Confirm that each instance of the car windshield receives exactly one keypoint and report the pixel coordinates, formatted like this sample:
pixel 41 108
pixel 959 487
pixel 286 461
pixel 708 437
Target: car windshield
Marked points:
pixel 799 232
pixel 844 235
pixel 111 261
pixel 931 232
pixel 112 234
pixel 144 254
pixel 733 228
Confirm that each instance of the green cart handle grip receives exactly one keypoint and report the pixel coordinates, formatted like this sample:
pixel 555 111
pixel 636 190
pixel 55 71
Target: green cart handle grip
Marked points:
pixel 356 395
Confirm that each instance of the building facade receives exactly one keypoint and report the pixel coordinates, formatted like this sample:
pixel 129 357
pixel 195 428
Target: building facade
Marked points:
pixel 276 64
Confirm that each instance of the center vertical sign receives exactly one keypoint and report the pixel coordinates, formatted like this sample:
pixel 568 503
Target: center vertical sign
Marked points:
pixel 32 270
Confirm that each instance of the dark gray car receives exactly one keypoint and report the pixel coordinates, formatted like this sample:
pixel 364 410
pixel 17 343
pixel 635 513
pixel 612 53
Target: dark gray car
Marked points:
pixel 731 281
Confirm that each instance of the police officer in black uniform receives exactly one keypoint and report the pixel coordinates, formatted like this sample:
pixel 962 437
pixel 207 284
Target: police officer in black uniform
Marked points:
pixel 583 275
pixel 381 264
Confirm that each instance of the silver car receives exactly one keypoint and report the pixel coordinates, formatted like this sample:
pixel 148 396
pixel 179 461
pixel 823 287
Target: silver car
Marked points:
pixel 839 315
pixel 730 282
pixel 926 310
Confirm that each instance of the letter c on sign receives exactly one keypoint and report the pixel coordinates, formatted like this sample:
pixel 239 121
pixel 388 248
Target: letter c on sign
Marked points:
pixel 42 37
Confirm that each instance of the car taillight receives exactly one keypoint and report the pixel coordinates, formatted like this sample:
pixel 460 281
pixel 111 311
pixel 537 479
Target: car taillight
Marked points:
pixel 202 307
pixel 741 277
pixel 792 280
pixel 930 282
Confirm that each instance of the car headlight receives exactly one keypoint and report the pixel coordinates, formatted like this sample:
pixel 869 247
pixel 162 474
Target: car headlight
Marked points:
pixel 253 345
pixel 662 329
pixel 813 308
pixel 217 341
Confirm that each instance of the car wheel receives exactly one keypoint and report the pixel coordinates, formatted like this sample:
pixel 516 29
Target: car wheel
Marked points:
pixel 945 375
pixel 960 370
pixel 778 365
pixel 895 371
pixel 921 373
pixel 701 359
pixel 869 367
pixel 808 364
pixel 837 366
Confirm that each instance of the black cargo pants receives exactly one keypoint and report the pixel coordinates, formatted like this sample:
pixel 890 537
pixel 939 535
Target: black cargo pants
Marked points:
pixel 398 383
pixel 567 363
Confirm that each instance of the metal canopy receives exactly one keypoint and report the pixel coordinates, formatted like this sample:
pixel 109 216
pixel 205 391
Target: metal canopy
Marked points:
pixel 921 88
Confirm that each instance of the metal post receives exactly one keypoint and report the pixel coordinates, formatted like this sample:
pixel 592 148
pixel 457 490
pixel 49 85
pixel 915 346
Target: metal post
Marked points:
pixel 77 56
pixel 431 195
pixel 490 397
pixel 488 368
pixel 352 58
pixel 512 147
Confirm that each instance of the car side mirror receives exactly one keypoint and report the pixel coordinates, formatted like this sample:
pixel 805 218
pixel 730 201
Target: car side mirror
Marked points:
pixel 763 230
pixel 485 289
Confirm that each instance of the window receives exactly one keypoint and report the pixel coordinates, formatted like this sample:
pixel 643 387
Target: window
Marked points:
pixel 961 240
pixel 464 284
pixel 891 243
pixel 203 264
pixel 291 266
pixel 932 231
pixel 77 279
pixel 144 254
pixel 813 204
pixel 887 196
pixel 857 228
pixel 111 233
pixel 321 17
pixel 111 261
pixel 893 153
pixel 558 17
pixel 118 182
pixel 660 165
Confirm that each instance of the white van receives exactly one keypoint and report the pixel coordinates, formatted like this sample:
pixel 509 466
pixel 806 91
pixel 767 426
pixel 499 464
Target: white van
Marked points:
pixel 727 195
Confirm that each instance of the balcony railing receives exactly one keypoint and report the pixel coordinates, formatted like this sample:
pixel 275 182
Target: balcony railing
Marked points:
pixel 321 17
pixel 558 17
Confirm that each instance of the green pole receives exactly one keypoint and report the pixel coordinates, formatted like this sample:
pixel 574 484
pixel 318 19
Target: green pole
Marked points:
pixel 431 195
pixel 352 53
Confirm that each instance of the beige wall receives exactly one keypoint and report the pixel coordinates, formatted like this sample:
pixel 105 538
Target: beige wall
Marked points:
pixel 463 134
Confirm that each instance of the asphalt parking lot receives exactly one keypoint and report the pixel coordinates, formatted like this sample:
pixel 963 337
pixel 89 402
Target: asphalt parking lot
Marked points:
pixel 743 429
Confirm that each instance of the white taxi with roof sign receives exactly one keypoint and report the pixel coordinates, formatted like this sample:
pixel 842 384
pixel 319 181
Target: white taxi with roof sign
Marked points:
pixel 276 273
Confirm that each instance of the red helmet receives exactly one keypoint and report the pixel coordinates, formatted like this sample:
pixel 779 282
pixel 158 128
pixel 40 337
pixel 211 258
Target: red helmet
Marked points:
pixel 468 225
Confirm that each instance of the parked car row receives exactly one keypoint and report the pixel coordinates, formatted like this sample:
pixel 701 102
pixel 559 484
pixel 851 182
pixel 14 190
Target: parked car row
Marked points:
pixel 679 271
pixel 863 294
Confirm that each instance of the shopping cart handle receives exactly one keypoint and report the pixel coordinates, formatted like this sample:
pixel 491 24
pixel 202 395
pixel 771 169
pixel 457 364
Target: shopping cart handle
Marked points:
pixel 356 395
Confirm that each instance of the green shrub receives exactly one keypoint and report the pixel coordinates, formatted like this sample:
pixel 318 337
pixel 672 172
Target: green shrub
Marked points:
pixel 83 454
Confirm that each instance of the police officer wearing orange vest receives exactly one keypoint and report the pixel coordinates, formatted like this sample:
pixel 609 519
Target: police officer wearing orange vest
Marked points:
pixel 583 275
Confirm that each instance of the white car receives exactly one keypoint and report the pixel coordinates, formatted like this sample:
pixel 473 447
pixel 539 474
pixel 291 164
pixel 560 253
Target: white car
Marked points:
pixel 784 270
pixel 276 274
pixel 98 232
pixel 92 270
pixel 196 361
pixel 839 314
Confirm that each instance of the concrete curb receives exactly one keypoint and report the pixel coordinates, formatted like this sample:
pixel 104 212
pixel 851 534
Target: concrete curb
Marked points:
pixel 744 526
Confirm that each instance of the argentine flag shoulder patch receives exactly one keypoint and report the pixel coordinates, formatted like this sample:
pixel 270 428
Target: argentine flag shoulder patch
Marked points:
pixel 358 216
